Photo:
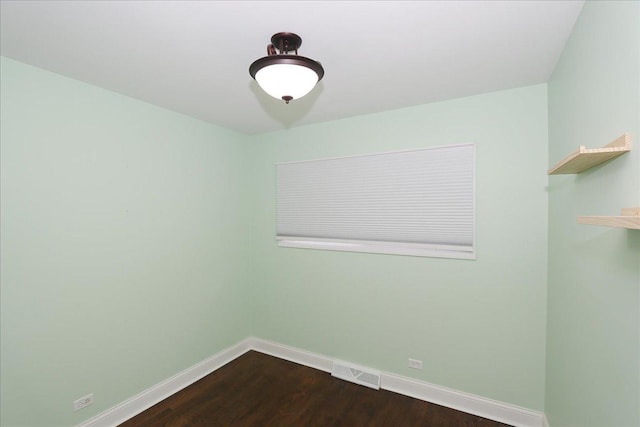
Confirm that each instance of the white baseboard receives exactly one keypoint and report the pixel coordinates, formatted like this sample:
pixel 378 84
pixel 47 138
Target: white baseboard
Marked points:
pixel 157 393
pixel 461 401
pixel 466 402
pixel 292 354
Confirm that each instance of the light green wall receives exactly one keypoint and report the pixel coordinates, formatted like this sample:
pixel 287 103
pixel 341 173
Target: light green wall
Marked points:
pixel 123 245
pixel 478 326
pixel 593 347
pixel 136 242
pixel 130 233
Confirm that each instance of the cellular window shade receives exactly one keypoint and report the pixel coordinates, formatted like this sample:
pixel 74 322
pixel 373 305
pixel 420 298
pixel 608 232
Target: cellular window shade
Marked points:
pixel 418 202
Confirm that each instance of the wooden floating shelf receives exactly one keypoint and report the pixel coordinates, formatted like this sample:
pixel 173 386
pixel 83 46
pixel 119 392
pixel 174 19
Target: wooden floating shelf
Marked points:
pixel 629 218
pixel 586 158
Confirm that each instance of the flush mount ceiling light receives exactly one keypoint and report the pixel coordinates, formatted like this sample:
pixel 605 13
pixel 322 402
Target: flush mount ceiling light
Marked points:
pixel 286 76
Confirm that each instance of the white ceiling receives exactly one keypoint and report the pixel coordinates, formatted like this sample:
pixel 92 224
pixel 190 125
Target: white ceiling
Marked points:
pixel 193 56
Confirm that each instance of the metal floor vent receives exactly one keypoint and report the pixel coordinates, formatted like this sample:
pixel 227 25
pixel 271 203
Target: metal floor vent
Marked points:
pixel 356 374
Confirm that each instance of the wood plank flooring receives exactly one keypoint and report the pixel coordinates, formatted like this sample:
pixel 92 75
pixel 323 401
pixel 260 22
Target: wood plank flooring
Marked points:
pixel 260 390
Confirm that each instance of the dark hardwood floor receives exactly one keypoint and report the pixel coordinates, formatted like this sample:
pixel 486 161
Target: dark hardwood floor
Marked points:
pixel 261 390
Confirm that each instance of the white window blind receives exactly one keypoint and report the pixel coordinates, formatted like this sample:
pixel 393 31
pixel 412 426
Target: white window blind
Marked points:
pixel 419 202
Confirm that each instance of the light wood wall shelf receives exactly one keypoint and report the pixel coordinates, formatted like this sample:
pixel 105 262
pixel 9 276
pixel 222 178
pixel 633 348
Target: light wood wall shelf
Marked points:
pixel 586 158
pixel 629 218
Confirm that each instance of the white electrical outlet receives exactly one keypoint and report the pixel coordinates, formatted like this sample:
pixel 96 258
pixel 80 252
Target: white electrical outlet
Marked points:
pixel 415 364
pixel 83 402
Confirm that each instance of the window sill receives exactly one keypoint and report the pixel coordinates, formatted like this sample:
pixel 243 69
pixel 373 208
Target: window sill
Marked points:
pixel 388 248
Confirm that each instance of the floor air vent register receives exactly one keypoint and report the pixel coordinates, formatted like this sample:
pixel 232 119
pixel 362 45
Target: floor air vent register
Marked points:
pixel 356 374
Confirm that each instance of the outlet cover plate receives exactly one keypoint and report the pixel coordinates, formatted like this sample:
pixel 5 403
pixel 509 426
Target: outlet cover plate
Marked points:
pixel 83 402
pixel 415 364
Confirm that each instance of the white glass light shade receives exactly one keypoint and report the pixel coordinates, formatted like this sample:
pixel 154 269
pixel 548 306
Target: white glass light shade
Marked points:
pixel 280 80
